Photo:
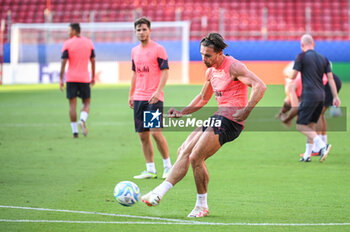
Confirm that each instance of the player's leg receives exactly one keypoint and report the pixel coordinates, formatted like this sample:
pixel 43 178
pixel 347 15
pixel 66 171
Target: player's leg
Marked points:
pixel 72 93
pixel 163 148
pixel 308 115
pixel 147 149
pixel 84 115
pixel 85 94
pixel 178 171
pixel 321 128
pixel 207 145
pixel 73 116
pixel 182 162
pixel 145 139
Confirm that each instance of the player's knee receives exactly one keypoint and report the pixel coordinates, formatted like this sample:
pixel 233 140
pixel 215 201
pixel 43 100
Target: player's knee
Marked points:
pixel 194 159
pixel 144 137
pixel 156 135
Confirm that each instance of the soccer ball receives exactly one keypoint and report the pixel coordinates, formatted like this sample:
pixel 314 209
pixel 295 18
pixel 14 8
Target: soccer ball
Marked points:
pixel 127 193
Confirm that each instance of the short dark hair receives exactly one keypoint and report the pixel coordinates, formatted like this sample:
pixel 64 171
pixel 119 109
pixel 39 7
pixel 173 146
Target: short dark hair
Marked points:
pixel 75 26
pixel 142 20
pixel 215 40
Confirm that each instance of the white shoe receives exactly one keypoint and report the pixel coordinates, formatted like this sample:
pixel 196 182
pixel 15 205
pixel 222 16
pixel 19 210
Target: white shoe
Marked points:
pixel 324 152
pixel 151 199
pixel 199 211
pixel 83 127
pixel 166 172
pixel 146 175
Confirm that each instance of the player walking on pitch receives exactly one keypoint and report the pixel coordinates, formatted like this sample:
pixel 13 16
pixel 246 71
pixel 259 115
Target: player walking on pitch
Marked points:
pixel 293 90
pixel 149 76
pixel 229 79
pixel 312 66
pixel 78 50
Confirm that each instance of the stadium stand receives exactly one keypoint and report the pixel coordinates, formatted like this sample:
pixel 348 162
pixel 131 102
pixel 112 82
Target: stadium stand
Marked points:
pixel 236 19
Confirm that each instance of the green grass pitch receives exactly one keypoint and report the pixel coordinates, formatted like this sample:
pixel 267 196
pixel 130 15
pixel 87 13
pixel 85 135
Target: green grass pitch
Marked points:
pixel 256 179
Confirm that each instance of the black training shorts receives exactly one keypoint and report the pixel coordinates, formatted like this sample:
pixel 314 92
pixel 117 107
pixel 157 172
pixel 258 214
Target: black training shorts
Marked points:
pixel 78 89
pixel 228 131
pixel 140 107
pixel 309 112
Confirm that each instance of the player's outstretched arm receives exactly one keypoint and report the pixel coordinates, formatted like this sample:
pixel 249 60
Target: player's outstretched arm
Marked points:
pixel 63 68
pixel 240 72
pixel 198 102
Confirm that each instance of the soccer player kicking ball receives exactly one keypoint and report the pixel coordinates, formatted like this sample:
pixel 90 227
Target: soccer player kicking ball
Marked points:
pixel 229 79
pixel 149 76
pixel 78 50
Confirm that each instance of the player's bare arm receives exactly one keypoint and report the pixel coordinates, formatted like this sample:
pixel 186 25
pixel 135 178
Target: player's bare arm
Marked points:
pixel 336 100
pixel 198 102
pixel 155 97
pixel 132 90
pixel 293 74
pixel 93 65
pixel 63 68
pixel 291 89
pixel 240 72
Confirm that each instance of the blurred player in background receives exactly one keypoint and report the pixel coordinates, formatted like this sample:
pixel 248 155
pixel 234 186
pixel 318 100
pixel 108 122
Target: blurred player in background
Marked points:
pixel 150 73
pixel 293 89
pixel 312 66
pixel 78 50
pixel 229 79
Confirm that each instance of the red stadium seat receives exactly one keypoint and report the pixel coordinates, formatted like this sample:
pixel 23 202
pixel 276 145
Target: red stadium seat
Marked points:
pixel 244 16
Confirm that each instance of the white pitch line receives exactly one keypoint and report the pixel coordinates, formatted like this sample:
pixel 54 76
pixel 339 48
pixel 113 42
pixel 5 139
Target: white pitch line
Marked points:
pixel 170 221
pixel 53 124
pixel 177 223
pixel 94 213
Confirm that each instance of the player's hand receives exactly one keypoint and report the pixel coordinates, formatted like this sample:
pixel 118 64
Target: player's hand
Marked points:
pixel 61 86
pixel 174 113
pixel 131 102
pixel 155 98
pixel 336 101
pixel 92 82
pixel 241 114
pixel 285 121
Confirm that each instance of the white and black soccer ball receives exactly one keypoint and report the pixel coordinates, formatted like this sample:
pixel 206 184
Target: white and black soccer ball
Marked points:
pixel 127 193
pixel 335 111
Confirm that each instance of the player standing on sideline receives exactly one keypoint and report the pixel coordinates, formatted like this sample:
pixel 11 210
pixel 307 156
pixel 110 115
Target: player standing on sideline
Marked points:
pixel 312 67
pixel 149 76
pixel 78 50
pixel 229 79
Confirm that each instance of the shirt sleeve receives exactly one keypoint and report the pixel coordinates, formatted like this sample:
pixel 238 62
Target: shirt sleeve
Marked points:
pixel 133 66
pixel 65 54
pixel 162 58
pixel 298 63
pixel 92 53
